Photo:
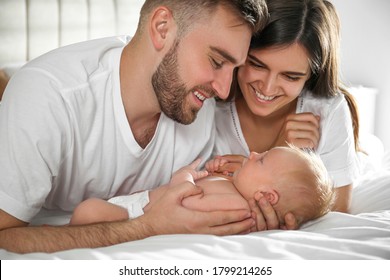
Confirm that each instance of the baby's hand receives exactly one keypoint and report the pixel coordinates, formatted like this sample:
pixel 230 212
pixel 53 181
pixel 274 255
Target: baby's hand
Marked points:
pixel 226 164
pixel 188 173
pixel 213 165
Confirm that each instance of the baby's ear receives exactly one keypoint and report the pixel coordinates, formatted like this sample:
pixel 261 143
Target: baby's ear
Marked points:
pixel 269 193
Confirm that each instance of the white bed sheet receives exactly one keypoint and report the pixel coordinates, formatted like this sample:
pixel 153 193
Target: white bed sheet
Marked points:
pixel 363 234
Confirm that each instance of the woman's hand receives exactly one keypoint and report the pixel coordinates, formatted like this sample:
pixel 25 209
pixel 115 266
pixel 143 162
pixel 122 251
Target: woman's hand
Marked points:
pixel 266 218
pixel 302 130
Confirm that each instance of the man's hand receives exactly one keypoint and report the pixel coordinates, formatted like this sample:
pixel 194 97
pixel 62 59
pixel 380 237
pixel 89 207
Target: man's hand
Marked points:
pixel 169 216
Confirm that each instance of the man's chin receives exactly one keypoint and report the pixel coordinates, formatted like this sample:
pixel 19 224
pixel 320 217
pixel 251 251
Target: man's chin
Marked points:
pixel 188 118
pixel 187 121
pixel 183 116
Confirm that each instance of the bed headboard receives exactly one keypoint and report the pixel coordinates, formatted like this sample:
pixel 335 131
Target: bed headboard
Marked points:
pixel 29 28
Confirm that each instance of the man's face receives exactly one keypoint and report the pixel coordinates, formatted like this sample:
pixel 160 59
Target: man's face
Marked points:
pixel 171 91
pixel 200 65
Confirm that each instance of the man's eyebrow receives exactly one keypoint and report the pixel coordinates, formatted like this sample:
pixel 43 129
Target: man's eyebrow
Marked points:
pixel 293 73
pixel 224 54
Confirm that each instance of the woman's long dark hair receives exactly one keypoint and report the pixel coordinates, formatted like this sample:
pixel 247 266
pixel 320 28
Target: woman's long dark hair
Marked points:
pixel 314 24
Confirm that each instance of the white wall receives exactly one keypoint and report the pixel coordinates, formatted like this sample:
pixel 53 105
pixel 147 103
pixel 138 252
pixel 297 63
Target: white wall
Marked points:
pixel 365 51
pixel 29 28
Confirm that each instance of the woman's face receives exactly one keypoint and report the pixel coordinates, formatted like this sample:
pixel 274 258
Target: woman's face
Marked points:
pixel 274 77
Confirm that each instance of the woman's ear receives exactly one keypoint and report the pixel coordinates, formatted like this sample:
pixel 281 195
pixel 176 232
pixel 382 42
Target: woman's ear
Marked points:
pixel 161 24
pixel 270 194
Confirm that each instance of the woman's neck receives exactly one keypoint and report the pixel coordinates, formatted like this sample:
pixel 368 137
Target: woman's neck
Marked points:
pixel 261 132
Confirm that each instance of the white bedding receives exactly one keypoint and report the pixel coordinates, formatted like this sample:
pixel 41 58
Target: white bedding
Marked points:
pixel 364 234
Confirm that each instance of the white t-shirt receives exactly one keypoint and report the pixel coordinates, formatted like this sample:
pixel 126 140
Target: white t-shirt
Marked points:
pixel 64 135
pixel 336 147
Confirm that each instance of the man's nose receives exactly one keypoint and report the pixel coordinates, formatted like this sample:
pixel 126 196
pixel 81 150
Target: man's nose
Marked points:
pixel 222 83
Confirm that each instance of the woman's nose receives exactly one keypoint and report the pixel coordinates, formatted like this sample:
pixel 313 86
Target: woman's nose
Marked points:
pixel 269 85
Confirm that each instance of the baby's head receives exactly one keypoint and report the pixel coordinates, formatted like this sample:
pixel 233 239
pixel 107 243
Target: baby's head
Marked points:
pixel 291 179
pixel 305 189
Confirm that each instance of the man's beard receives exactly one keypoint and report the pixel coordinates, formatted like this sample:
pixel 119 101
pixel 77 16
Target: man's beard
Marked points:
pixel 171 91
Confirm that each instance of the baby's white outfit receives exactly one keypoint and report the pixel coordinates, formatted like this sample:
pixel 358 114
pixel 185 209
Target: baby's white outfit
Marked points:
pixel 133 203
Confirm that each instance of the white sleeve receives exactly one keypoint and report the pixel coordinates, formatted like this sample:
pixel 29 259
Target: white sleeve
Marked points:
pixel 337 145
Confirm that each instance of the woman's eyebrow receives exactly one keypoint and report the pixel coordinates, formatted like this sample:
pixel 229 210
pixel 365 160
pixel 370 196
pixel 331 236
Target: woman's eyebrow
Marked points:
pixel 256 59
pixel 292 73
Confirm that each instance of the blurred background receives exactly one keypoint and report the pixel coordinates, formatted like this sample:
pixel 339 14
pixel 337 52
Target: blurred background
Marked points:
pixel 365 59
pixel 29 28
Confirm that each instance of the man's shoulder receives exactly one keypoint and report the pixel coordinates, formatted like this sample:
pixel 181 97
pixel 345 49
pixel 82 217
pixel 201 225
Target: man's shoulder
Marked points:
pixel 78 63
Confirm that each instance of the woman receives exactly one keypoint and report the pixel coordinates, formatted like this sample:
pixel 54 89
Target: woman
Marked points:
pixel 289 91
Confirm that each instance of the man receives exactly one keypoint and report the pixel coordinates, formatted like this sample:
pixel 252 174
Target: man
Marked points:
pixel 112 116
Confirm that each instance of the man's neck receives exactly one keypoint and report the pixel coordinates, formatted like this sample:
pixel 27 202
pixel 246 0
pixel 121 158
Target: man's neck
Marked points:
pixel 144 130
pixel 139 100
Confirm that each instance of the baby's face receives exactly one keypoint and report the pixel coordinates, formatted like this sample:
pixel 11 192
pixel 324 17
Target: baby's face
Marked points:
pixel 260 170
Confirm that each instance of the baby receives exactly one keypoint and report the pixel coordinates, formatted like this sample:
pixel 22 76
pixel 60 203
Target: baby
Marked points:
pixel 292 180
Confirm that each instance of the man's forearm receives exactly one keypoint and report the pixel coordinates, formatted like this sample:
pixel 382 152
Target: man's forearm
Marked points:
pixel 57 238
